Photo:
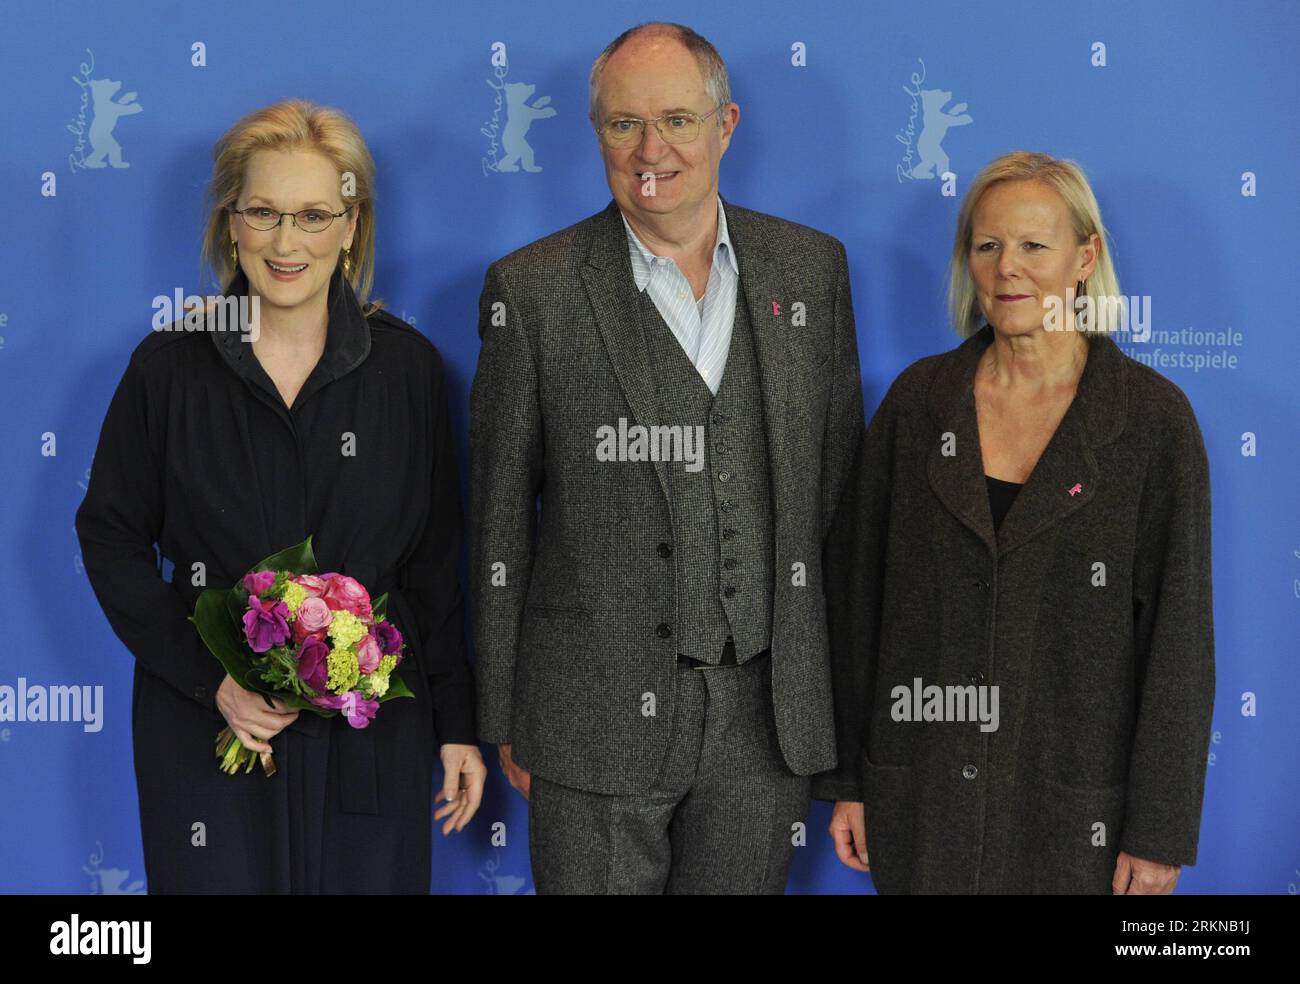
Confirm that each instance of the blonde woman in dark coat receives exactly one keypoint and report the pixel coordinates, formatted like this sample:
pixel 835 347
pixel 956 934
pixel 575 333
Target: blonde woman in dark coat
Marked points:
pixel 1025 673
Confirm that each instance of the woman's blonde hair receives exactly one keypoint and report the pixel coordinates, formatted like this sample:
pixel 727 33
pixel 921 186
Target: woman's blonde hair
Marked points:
pixel 1065 178
pixel 294 124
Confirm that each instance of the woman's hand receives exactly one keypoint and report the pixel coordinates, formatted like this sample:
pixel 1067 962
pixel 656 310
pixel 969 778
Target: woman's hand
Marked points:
pixel 254 718
pixel 1134 876
pixel 848 830
pixel 464 776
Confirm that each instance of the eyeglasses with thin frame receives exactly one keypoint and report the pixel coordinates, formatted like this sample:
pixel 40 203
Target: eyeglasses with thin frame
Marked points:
pixel 683 127
pixel 264 219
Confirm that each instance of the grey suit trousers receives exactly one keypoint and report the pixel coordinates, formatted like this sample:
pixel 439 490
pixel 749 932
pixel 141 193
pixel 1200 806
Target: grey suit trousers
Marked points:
pixel 719 818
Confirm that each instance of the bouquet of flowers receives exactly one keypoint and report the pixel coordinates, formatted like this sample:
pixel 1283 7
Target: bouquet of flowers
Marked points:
pixel 316 641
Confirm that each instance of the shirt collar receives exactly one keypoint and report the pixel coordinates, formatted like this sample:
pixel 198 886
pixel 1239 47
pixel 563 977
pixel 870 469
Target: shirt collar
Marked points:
pixel 347 337
pixel 641 270
pixel 1102 391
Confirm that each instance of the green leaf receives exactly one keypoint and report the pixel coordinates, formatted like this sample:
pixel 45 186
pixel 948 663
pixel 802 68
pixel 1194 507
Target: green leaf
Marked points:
pixel 396 688
pixel 379 606
pixel 298 558
pixel 222 636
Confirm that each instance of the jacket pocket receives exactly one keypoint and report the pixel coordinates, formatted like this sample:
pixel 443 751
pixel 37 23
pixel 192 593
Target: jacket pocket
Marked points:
pixel 557 611
pixel 886 790
pixel 1067 837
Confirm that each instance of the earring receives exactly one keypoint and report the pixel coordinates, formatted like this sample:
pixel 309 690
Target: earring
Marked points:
pixel 234 254
pixel 347 261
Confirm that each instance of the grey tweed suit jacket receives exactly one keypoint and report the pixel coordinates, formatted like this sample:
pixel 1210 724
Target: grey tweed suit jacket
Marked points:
pixel 572 668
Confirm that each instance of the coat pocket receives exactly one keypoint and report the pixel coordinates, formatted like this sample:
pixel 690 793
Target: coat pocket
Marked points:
pixel 1067 838
pixel 556 611
pixel 886 790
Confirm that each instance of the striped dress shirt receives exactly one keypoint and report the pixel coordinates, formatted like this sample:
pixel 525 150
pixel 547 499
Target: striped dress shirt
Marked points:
pixel 703 327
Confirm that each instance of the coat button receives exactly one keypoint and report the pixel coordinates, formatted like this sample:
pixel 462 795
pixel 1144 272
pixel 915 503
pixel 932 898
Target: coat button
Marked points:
pixel 719 418
pixel 731 563
pixel 721 447
pixel 727 505
pixel 728 534
pixel 975 676
pixel 969 772
pixel 729 590
pixel 664 550
pixel 724 476
pixel 663 630
pixel 201 692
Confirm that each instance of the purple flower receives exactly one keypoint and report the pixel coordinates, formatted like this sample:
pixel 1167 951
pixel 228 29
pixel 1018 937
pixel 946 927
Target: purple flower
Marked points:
pixel 390 640
pixel 265 624
pixel 359 711
pixel 313 663
pixel 259 581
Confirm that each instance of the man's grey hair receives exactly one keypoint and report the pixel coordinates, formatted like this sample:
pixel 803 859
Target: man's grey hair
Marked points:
pixel 716 82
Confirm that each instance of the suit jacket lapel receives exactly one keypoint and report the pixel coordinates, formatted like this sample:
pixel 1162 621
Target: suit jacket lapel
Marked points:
pixel 1066 476
pixel 607 275
pixel 779 361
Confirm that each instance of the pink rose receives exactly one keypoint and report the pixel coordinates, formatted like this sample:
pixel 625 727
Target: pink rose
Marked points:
pixel 346 594
pixel 369 653
pixel 314 617
pixel 310 583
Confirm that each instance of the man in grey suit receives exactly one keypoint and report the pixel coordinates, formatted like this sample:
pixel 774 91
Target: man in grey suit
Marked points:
pixel 677 379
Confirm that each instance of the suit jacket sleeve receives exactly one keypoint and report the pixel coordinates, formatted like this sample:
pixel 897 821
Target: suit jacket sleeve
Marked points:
pixel 1175 653
pixel 506 476
pixel 431 586
pixel 845 550
pixel 118 524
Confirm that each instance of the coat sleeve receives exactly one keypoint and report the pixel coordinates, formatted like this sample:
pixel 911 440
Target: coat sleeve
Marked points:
pixel 431 586
pixel 1173 611
pixel 118 524
pixel 855 580
pixel 506 476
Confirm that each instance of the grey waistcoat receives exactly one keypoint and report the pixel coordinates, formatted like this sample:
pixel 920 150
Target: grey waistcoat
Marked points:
pixel 722 514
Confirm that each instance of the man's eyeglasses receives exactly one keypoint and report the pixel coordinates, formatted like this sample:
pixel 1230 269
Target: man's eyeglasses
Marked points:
pixel 264 219
pixel 675 128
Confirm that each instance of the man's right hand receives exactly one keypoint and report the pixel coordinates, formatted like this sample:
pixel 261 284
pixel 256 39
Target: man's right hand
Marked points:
pixel 520 779
pixel 249 717
pixel 848 830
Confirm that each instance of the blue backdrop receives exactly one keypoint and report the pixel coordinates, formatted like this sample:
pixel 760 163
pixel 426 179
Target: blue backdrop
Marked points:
pixel 1183 115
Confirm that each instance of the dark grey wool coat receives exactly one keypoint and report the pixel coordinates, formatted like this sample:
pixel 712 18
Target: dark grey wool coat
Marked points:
pixel 1105 674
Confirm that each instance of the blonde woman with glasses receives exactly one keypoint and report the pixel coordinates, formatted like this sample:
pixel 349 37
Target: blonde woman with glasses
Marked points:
pixel 327 417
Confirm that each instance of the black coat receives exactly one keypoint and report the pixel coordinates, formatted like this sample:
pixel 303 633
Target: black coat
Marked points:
pixel 199 455
pixel 1105 690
